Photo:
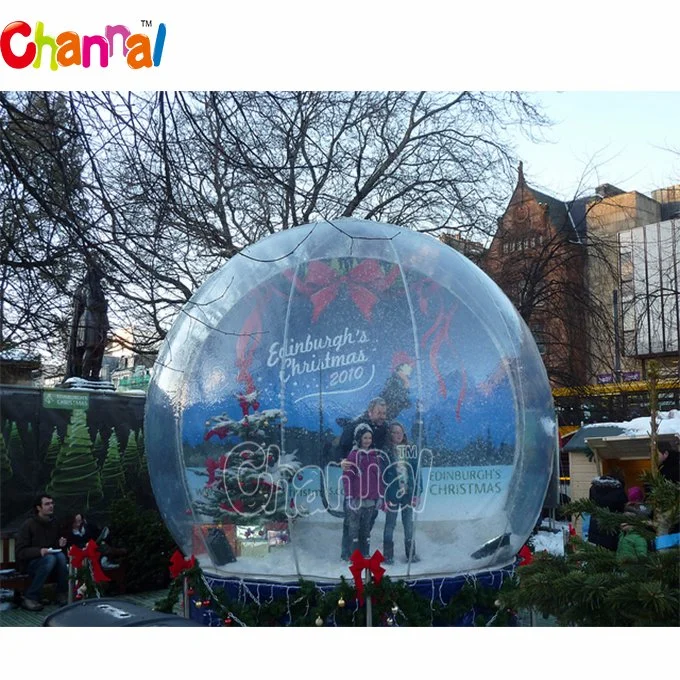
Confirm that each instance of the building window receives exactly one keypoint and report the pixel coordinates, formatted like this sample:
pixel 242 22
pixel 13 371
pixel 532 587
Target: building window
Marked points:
pixel 538 331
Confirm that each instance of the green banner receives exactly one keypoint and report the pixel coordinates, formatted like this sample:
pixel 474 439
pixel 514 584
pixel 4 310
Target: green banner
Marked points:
pixel 65 400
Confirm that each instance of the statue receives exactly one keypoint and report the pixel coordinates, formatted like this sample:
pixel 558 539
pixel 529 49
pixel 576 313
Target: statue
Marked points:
pixel 89 328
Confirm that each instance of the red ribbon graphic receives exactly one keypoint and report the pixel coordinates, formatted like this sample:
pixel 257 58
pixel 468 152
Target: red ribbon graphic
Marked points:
pixel 89 552
pixel 364 282
pixel 178 564
pixel 359 563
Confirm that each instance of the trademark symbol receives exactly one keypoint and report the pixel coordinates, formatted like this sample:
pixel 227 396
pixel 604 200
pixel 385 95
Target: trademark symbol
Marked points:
pixel 147 24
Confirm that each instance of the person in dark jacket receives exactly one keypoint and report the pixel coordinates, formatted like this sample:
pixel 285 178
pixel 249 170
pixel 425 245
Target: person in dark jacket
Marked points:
pixel 39 551
pixel 669 462
pixel 669 468
pixel 375 416
pixel 364 488
pixel 79 531
pixel 402 490
pixel 606 491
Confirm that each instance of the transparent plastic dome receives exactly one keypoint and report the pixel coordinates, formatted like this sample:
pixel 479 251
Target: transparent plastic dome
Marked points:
pixel 274 361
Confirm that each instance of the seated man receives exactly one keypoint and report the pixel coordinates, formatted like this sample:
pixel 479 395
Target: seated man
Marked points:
pixel 39 552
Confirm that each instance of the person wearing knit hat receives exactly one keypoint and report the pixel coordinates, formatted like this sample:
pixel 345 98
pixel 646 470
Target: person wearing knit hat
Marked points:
pixel 359 431
pixel 375 416
pixel 635 494
pixel 364 488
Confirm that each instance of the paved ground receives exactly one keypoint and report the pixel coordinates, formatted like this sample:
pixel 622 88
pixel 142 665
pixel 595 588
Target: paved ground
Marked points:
pixel 21 617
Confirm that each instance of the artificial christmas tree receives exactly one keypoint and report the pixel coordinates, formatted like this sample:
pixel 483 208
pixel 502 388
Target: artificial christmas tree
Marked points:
pixel 249 485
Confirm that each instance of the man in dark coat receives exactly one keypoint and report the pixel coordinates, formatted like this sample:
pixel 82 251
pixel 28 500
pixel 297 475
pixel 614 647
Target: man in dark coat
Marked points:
pixel 376 417
pixel 39 552
pixel 669 468
pixel 606 491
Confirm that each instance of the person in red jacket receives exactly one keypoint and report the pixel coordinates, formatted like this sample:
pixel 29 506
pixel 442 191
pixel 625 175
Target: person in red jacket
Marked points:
pixel 39 550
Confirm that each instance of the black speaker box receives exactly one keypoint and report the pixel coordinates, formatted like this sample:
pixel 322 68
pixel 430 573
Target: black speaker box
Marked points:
pixel 112 613
pixel 219 547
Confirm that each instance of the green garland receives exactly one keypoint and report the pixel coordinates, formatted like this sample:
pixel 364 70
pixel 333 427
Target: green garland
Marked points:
pixel 393 604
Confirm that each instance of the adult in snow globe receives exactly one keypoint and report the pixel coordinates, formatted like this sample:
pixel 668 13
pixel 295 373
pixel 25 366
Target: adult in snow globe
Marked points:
pixel 403 486
pixel 607 492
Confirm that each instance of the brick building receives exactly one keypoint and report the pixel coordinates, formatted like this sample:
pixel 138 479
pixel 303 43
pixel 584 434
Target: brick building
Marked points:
pixel 596 279
pixel 538 258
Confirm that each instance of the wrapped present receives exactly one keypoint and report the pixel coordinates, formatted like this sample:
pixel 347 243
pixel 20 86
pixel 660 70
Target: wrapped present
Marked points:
pixel 253 548
pixel 276 526
pixel 251 540
pixel 277 539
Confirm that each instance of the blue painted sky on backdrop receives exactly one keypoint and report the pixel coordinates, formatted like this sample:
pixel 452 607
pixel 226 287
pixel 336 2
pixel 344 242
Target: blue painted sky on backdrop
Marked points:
pixel 617 137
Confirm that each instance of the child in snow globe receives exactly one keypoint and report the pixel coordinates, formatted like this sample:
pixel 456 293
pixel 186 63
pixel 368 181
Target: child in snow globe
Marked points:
pixel 362 479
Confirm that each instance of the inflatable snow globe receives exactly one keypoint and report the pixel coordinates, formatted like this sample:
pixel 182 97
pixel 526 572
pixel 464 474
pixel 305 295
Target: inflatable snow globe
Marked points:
pixel 349 385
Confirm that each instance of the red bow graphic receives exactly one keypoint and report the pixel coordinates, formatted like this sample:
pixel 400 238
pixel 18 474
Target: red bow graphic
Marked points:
pixel 91 553
pixel 359 563
pixel 363 282
pixel 178 564
pixel 212 466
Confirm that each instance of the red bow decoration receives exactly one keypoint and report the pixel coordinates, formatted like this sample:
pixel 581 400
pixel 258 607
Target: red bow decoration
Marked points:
pixel 178 564
pixel 525 554
pixel 359 563
pixel 89 552
pixel 363 282
pixel 246 403
pixel 212 466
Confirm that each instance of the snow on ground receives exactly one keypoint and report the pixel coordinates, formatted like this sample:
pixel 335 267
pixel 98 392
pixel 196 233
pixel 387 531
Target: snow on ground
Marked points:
pixel 314 552
pixel 548 540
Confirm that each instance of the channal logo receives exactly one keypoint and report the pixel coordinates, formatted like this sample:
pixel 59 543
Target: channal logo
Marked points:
pixel 69 48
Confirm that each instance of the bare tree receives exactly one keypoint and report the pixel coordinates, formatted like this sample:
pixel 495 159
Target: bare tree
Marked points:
pixel 170 186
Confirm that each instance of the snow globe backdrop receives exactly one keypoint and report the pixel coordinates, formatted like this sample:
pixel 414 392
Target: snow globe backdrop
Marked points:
pixel 269 367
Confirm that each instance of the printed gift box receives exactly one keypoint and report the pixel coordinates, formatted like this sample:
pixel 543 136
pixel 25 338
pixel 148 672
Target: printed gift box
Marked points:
pixel 251 541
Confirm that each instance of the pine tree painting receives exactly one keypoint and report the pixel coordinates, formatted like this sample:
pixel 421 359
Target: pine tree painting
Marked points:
pixel 76 478
pixel 131 458
pixel 6 471
pixel 143 461
pixel 113 476
pixel 16 448
pixel 53 449
pixel 99 450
